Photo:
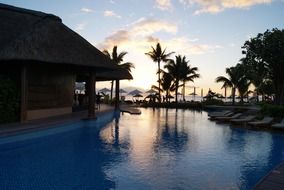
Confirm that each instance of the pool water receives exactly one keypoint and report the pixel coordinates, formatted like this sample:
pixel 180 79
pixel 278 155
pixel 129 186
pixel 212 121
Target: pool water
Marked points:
pixel 159 149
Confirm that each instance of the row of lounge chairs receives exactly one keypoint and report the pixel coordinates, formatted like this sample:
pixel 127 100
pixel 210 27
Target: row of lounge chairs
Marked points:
pixel 245 119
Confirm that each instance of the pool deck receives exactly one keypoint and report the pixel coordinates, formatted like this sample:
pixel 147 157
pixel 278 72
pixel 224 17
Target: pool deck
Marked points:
pixel 274 180
pixel 17 128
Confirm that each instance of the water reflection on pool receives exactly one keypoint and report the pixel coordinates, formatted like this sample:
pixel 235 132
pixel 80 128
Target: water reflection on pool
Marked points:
pixel 159 149
pixel 169 149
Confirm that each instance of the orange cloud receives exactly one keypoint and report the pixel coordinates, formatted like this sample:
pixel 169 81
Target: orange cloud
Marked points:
pixel 138 33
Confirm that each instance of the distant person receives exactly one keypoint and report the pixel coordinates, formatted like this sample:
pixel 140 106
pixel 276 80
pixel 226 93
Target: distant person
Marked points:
pixel 98 100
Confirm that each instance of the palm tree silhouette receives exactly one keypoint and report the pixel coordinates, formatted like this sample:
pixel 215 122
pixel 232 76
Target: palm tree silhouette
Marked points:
pixel 188 73
pixel 117 59
pixel 167 84
pixel 234 80
pixel 175 68
pixel 158 55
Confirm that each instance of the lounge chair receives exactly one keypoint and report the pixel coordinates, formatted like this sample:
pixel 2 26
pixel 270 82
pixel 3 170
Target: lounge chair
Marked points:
pixel 278 125
pixel 229 117
pixel 218 113
pixel 264 122
pixel 243 120
pixel 227 114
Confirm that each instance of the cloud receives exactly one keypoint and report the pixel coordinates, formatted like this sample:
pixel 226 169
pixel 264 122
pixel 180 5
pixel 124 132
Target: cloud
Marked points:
pixel 185 46
pixel 86 10
pixel 163 5
pixel 116 38
pixel 142 34
pixel 81 26
pixel 143 29
pixel 109 13
pixel 216 6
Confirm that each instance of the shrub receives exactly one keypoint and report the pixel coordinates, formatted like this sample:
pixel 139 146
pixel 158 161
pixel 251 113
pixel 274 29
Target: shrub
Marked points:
pixel 213 102
pixel 9 100
pixel 273 110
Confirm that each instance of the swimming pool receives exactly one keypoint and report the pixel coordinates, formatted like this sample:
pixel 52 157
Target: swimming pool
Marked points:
pixel 159 149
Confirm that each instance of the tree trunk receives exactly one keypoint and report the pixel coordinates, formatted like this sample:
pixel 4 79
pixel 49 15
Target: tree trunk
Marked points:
pixel 167 96
pixel 111 89
pixel 176 90
pixel 117 94
pixel 233 95
pixel 159 81
pixel 183 91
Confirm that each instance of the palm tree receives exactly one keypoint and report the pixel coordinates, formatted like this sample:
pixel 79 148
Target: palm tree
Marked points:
pixel 166 84
pixel 117 59
pixel 175 69
pixel 243 86
pixel 256 72
pixel 188 73
pixel 231 81
pixel 158 55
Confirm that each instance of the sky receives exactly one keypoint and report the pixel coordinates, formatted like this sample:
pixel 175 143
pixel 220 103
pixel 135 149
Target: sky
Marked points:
pixel 210 33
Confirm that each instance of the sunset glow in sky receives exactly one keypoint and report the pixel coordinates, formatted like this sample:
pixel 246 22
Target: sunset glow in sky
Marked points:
pixel 209 33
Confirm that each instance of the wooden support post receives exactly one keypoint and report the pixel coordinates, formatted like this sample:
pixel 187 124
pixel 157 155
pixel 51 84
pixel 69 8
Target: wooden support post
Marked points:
pixel 117 94
pixel 92 96
pixel 24 93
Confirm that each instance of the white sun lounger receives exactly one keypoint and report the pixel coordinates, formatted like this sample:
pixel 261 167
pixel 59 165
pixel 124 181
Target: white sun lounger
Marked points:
pixel 228 118
pixel 218 113
pixel 264 122
pixel 243 120
pixel 227 114
pixel 278 125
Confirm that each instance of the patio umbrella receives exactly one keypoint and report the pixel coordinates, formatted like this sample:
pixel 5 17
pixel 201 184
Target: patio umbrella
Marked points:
pixel 137 96
pixel 134 92
pixel 104 90
pixel 122 91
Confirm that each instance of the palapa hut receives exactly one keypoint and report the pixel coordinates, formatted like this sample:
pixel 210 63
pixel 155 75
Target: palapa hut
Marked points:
pixel 43 57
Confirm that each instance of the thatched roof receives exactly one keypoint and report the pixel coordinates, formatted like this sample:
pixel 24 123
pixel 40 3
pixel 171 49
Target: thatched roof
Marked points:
pixel 112 75
pixel 28 35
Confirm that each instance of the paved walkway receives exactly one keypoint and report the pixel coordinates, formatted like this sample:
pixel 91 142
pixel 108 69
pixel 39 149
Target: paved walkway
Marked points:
pixel 274 180
pixel 16 128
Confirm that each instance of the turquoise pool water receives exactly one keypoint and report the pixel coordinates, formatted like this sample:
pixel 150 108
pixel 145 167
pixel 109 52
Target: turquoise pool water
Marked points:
pixel 159 149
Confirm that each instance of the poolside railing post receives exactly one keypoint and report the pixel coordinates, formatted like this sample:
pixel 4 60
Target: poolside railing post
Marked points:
pixel 92 83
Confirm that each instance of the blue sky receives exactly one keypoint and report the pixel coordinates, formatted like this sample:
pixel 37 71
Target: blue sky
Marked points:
pixel 209 33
